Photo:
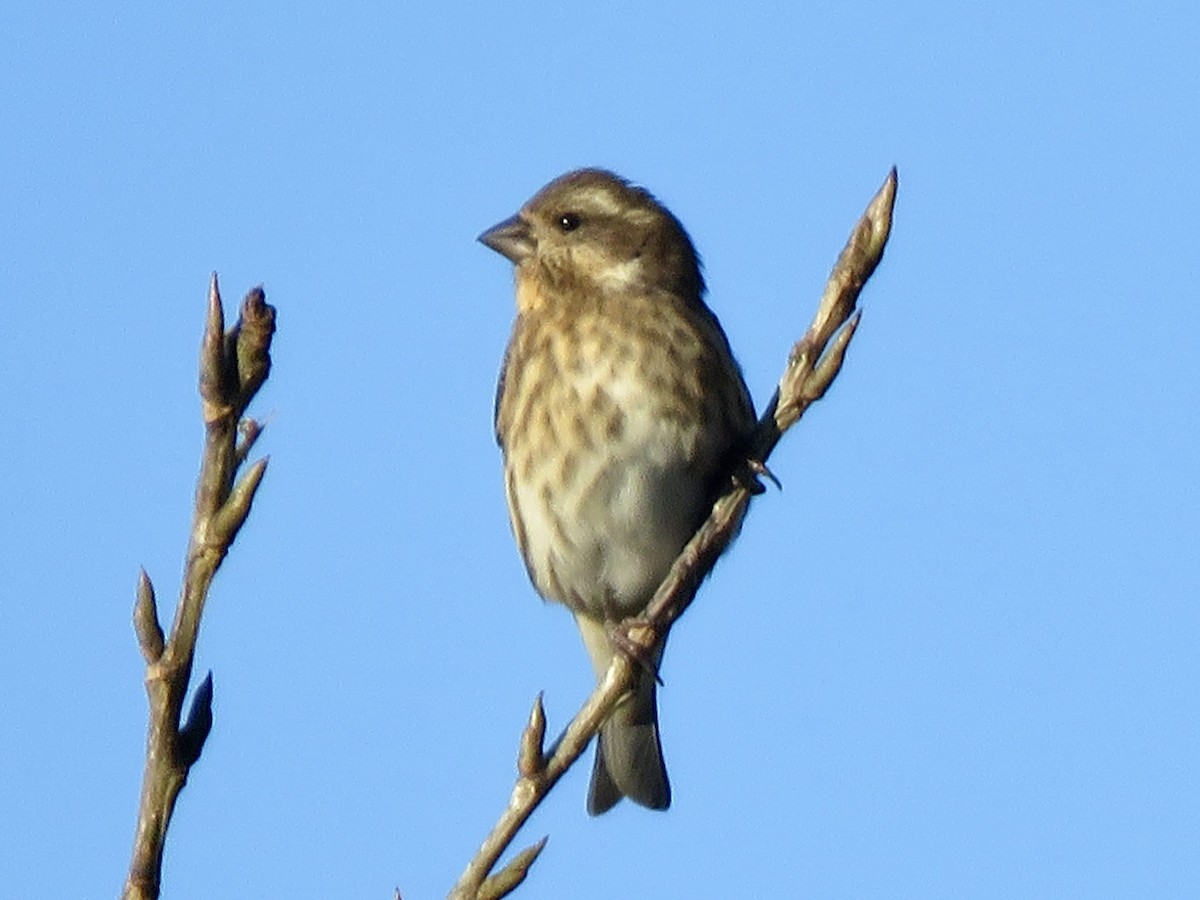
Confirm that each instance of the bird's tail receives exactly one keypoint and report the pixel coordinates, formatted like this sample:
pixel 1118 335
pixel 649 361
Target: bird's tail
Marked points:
pixel 629 761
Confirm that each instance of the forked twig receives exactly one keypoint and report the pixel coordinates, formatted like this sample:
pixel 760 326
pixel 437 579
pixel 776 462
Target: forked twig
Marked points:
pixel 233 366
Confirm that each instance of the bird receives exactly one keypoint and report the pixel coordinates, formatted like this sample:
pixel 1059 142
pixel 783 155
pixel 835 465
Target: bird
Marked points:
pixel 620 413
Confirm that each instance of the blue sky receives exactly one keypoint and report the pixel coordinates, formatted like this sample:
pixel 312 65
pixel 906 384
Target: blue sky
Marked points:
pixel 955 657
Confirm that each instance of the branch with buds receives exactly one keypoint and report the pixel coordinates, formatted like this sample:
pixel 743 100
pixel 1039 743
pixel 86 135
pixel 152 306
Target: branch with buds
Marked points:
pixel 814 363
pixel 234 364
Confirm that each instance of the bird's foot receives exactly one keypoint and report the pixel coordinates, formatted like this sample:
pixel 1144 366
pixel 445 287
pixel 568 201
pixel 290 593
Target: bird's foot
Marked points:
pixel 635 639
pixel 748 476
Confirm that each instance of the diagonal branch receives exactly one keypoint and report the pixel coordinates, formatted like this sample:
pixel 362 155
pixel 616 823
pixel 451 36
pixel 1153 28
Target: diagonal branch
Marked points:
pixel 813 364
pixel 233 366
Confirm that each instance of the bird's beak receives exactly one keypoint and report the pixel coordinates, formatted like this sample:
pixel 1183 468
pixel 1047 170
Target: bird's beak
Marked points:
pixel 512 238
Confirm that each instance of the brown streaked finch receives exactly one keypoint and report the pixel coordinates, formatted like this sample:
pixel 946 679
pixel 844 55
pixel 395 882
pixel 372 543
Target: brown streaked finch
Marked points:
pixel 619 410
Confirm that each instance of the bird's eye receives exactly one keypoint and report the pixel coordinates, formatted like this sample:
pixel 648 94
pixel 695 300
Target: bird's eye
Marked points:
pixel 568 222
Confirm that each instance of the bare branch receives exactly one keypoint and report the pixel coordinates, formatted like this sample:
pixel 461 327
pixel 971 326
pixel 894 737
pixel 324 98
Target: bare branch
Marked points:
pixel 233 366
pixel 812 366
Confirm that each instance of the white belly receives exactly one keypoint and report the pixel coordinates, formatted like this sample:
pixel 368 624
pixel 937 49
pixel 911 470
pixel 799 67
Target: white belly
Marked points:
pixel 603 525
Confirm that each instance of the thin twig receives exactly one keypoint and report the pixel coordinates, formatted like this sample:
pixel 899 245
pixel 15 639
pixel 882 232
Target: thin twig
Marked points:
pixel 233 366
pixel 812 366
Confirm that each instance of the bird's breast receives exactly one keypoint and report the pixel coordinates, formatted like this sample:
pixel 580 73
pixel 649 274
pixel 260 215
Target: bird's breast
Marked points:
pixel 609 458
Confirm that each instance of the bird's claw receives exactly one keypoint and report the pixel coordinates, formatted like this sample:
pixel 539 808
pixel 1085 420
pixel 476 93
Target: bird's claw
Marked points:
pixel 622 636
pixel 750 472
